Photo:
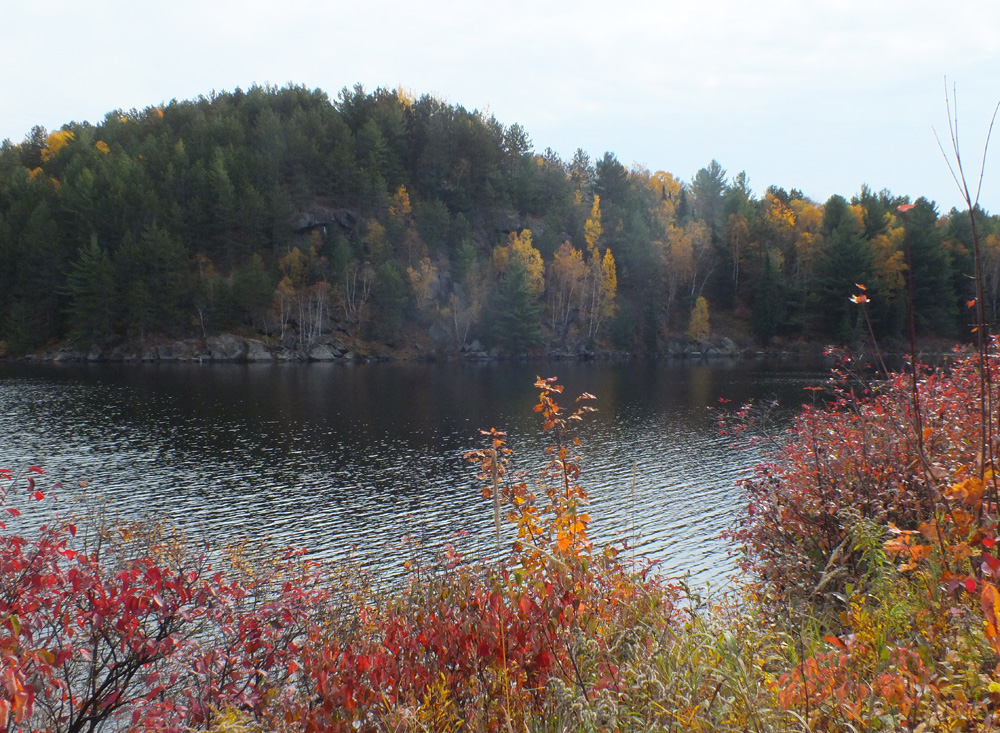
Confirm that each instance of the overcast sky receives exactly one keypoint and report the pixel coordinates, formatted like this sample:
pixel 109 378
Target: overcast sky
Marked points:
pixel 820 96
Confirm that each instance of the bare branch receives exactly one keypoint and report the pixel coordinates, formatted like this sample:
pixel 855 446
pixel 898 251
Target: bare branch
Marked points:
pixel 947 161
pixel 986 147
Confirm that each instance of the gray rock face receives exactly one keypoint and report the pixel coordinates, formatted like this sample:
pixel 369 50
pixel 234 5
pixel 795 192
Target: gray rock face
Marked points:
pixel 728 346
pixel 508 221
pixel 440 336
pixel 257 351
pixel 322 352
pixel 68 354
pixel 95 353
pixel 226 347
pixel 317 216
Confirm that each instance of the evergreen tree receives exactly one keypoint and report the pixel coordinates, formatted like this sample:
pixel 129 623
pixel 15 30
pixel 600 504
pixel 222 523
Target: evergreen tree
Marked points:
pixel 934 300
pixel 391 294
pixel 847 260
pixel 518 313
pixel 90 286
pixel 252 291
pixel 768 303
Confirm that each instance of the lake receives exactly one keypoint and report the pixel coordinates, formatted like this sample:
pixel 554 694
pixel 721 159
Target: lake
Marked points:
pixel 352 459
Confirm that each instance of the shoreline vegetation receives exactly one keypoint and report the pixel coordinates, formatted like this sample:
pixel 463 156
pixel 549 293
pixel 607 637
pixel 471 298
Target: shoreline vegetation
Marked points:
pixel 868 601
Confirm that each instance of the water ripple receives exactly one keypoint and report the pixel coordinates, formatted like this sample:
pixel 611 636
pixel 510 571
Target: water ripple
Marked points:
pixel 355 460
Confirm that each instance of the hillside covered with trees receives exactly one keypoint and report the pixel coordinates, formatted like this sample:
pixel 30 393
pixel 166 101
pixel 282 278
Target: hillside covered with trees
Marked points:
pixel 394 220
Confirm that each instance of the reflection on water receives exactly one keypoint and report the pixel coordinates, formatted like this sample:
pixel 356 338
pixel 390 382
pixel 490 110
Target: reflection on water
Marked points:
pixel 332 457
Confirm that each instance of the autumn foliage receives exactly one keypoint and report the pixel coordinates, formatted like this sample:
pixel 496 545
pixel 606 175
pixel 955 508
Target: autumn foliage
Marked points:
pixel 129 626
pixel 870 602
pixel 875 525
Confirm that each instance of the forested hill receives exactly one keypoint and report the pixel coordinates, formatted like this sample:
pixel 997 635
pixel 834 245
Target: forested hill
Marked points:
pixel 392 219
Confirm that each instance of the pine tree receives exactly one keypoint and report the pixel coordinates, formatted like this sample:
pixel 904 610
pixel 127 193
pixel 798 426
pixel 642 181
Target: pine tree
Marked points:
pixel 518 313
pixel 765 318
pixel 90 285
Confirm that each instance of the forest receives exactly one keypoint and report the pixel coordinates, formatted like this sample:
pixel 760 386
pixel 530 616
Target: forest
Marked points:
pixel 868 546
pixel 395 220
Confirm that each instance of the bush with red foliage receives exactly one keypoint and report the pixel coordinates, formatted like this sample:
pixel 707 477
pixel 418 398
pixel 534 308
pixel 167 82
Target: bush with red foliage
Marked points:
pixel 158 640
pixel 859 456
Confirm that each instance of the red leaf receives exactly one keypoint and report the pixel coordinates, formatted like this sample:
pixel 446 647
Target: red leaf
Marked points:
pixel 970 585
pixel 989 543
pixel 13 512
pixel 38 495
pixel 836 642
pixel 35 469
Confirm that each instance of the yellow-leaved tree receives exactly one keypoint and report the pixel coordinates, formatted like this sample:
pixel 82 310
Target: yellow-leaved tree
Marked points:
pixel 698 327
pixel 592 228
pixel 425 283
pixel 609 285
pixel 566 281
pixel 56 142
pixel 520 248
pixel 685 257
pixel 890 262
pixel 400 206
pixel 602 278
pixel 666 191
pixel 736 236
pixel 304 287
pixel 808 240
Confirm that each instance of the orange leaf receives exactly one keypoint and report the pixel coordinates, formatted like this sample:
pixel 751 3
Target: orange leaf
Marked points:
pixel 929 530
pixel 836 642
pixel 990 599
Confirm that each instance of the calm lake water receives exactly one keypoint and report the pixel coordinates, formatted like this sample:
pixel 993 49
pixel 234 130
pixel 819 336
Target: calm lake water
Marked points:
pixel 342 459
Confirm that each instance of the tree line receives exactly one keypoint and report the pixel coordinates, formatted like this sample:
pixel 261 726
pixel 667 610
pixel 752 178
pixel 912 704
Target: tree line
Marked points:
pixel 394 219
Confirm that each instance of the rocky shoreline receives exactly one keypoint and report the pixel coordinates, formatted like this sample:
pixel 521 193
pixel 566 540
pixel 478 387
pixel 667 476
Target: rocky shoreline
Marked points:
pixel 233 348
